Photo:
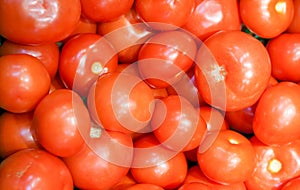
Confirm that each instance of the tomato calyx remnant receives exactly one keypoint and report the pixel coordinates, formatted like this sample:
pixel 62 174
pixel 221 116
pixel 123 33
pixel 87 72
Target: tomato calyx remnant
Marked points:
pixel 218 72
pixel 274 165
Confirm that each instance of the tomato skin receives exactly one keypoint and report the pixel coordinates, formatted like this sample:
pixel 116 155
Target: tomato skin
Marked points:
pixel 294 26
pixel 276 118
pixel 211 16
pixel 29 22
pixel 24 81
pixel 34 169
pixel 267 18
pixel 234 155
pixel 192 186
pixel 142 186
pixel 240 67
pixel 284 55
pixel 15 133
pixel 293 184
pixel 48 54
pixel 83 59
pixel 105 10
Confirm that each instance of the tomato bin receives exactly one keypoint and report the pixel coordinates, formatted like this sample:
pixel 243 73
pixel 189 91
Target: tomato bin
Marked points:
pixel 150 94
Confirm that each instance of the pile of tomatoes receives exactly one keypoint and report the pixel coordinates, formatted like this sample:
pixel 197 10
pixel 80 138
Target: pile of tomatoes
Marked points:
pixel 150 94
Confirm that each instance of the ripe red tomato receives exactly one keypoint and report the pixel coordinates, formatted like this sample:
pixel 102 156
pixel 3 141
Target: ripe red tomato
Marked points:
pixel 193 186
pixel 48 54
pixel 164 14
pixel 284 54
pixel 233 70
pixel 151 165
pixel 277 114
pixel 294 27
pixel 57 120
pixel 36 22
pixel 83 58
pixel 229 160
pixel 105 10
pixel 275 165
pixel 99 164
pixel 142 186
pixel 177 124
pixel 121 102
pixel 24 81
pixel 267 18
pixel 211 16
pixel 292 184
pixel 34 169
pixel 164 57
pixel 15 133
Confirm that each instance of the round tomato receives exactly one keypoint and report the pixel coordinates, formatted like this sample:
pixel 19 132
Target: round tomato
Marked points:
pixel 277 114
pixel 229 160
pixel 233 70
pixel 36 22
pixel 83 58
pixel 293 184
pixel 56 122
pixel 165 57
pixel 211 16
pixel 48 54
pixel 34 169
pixel 294 27
pixel 15 133
pixel 284 53
pixel 142 186
pixel 24 81
pixel 105 10
pixel 267 18
pixel 193 186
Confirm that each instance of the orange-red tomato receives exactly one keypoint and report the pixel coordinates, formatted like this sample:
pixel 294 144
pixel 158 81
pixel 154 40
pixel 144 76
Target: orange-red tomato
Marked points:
pixel 24 81
pixel 142 186
pixel 292 184
pixel 294 27
pixel 38 22
pixel 195 185
pixel 34 169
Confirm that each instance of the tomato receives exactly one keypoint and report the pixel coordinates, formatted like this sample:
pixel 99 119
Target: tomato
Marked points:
pixel 15 133
pixel 83 58
pixel 125 182
pixel 56 83
pixel 34 169
pixel 24 81
pixel 164 14
pixel 237 75
pixel 99 165
pixel 121 102
pixel 31 22
pixel 211 16
pixel 192 186
pixel 56 122
pixel 177 124
pixel 48 54
pixel 152 165
pixel 276 118
pixel 294 26
pixel 105 10
pixel 284 54
pixel 143 186
pixel 274 166
pixel 267 18
pixel 233 156
pixel 164 57
pixel 293 184
pixel 127 34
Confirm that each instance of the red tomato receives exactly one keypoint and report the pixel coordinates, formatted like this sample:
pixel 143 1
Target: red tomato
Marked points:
pixel 293 184
pixel 229 160
pixel 24 81
pixel 105 10
pixel 277 114
pixel 164 14
pixel 36 22
pixel 83 58
pixel 211 16
pixel 15 133
pixel 177 124
pixel 56 83
pixel 143 186
pixel 48 54
pixel 34 169
pixel 125 182
pixel 127 34
pixel 274 166
pixel 151 165
pixel 164 57
pixel 294 27
pixel 99 164
pixel 238 72
pixel 193 186
pixel 284 54
pixel 121 102
pixel 267 18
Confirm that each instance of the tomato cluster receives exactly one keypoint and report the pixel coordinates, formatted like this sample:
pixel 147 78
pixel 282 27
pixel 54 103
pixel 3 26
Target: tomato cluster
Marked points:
pixel 150 94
